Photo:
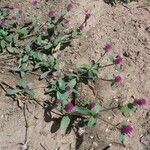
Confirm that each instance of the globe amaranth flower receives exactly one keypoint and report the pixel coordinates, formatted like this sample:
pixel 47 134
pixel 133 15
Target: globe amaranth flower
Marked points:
pixel 69 6
pixel 118 60
pixel 118 78
pixel 34 2
pixel 82 26
pixel 69 107
pixel 92 105
pixel 126 129
pixel 108 47
pixel 87 15
pixel 68 88
pixel 51 13
pixel 141 101
pixel 13 17
pixel 2 21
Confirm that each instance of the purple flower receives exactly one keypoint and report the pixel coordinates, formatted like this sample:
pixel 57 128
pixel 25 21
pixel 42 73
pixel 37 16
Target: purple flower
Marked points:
pixel 82 26
pixel 118 59
pixel 118 78
pixel 87 15
pixel 68 88
pixel 51 13
pixel 34 2
pixel 13 17
pixel 69 107
pixel 2 21
pixel 141 101
pixel 69 6
pixel 92 105
pixel 108 47
pixel 126 129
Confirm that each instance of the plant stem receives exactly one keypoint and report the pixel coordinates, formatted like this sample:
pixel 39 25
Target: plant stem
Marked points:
pixel 26 123
pixel 101 57
pixel 107 65
pixel 106 79
pixel 107 109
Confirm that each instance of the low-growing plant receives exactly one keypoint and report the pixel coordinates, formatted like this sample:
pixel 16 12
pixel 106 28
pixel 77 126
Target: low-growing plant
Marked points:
pixel 35 47
pixel 37 43
pixel 22 88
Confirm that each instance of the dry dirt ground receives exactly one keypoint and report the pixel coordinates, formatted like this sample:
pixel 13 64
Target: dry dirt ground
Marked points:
pixel 128 28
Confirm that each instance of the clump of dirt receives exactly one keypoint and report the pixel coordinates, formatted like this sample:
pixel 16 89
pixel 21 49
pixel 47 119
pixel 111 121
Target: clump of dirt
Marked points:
pixel 127 27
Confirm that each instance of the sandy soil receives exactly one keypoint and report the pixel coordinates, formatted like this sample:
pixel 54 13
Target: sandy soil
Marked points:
pixel 128 28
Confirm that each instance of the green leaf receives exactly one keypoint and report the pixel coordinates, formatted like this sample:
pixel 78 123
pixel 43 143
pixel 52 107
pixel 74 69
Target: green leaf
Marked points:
pixel 25 58
pixel 91 122
pixel 61 84
pixel 12 50
pixel 23 31
pixel 39 40
pixel 48 46
pixel 50 26
pixel 96 109
pixel 72 83
pixel 8 38
pixel 121 137
pixel 82 110
pixel 65 97
pixel 59 95
pixel 30 93
pixel 44 75
pixel 12 91
pixel 15 38
pixel 65 121
pixel 22 74
pixel 2 44
pixel 127 108
pixel 22 84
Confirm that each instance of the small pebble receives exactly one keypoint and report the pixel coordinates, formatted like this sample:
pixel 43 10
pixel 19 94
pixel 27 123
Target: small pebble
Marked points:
pixel 107 130
pixel 109 117
pixel 116 99
pixel 91 137
pixel 95 144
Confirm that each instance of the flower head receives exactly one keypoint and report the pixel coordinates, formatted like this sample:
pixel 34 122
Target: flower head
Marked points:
pixel 69 6
pixel 13 17
pixel 126 129
pixel 141 101
pixel 34 2
pixel 118 78
pixel 87 15
pixel 82 26
pixel 92 105
pixel 69 107
pixel 118 59
pixel 51 13
pixel 68 88
pixel 108 47
pixel 2 21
